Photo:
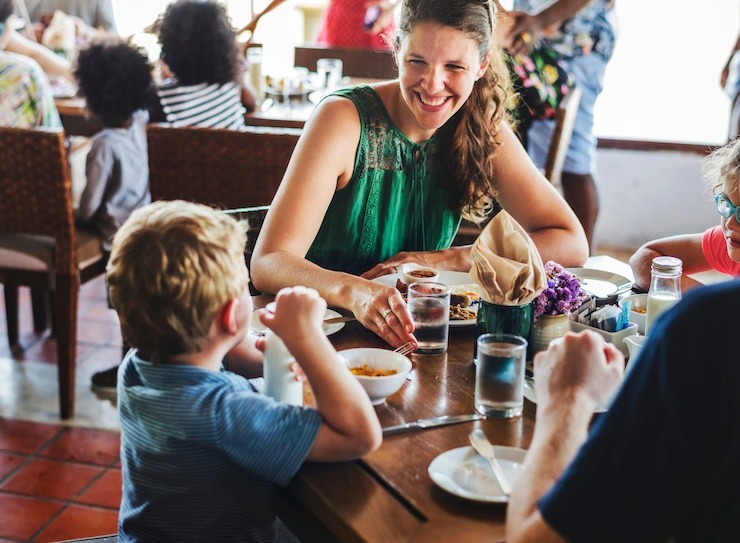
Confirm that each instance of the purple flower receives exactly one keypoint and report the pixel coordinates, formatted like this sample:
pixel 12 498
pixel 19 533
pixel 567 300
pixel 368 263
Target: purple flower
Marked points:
pixel 562 295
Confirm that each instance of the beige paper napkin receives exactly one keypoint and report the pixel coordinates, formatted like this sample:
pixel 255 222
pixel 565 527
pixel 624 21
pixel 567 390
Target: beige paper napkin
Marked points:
pixel 506 263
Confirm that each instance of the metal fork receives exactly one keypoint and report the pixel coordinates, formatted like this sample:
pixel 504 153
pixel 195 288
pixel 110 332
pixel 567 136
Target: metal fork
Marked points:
pixel 406 348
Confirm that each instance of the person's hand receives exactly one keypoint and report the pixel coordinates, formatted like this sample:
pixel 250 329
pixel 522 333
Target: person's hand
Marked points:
pixel 382 310
pixel 725 74
pixel 522 33
pixel 577 366
pixel 299 311
pixel 297 370
pixel 384 18
pixel 431 259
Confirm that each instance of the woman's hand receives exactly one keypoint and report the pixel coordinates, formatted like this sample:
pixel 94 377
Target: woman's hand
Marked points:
pixel 381 309
pixel 454 258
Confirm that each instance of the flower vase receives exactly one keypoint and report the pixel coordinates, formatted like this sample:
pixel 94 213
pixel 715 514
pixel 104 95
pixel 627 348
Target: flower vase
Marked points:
pixel 545 329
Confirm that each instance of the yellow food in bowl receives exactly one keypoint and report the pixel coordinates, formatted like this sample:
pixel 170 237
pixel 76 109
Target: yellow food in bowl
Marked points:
pixel 367 371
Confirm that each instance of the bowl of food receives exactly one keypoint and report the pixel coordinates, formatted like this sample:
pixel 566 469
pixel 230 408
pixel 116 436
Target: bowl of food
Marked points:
pixel 638 308
pixel 416 273
pixel 381 372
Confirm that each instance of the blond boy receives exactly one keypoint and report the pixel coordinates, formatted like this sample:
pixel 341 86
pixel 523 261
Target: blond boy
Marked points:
pixel 200 449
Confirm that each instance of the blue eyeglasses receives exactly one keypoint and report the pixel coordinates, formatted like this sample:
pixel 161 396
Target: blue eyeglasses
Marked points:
pixel 726 208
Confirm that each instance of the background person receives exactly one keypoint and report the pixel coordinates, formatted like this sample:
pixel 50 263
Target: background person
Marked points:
pixel 583 33
pixel 26 98
pixel 117 83
pixel 200 450
pixel 730 82
pixel 382 174
pixel 200 51
pixel 669 434
pixel 343 23
pixel 95 15
pixel 718 248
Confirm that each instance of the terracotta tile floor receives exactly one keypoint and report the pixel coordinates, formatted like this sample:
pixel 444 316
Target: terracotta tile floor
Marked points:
pixel 58 479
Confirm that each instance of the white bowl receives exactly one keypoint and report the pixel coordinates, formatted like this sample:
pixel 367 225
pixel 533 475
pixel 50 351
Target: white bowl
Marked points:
pixel 378 388
pixel 638 301
pixel 416 273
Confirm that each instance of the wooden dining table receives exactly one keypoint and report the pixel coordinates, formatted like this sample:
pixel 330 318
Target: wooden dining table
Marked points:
pixel 78 121
pixel 388 496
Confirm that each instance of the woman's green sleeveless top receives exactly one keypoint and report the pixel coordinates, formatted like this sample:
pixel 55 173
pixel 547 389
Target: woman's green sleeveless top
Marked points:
pixel 394 201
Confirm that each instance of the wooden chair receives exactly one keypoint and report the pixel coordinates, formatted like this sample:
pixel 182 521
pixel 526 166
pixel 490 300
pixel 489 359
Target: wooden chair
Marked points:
pixel 559 142
pixel 40 246
pixel 561 135
pixel 355 62
pixel 222 168
pixel 255 217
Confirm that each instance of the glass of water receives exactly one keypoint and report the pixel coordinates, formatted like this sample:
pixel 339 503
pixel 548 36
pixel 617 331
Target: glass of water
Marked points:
pixel 499 375
pixel 429 307
pixel 330 72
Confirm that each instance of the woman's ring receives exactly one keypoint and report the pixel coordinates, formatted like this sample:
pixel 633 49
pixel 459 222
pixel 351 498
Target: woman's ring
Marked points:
pixel 526 37
pixel 385 313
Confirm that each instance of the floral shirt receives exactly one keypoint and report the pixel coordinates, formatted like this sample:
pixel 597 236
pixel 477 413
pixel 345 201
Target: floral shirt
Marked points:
pixel 26 94
pixel 592 30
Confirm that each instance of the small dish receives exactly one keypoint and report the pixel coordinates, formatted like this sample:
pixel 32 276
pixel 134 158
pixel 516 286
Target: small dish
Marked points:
pixel 465 473
pixel 638 308
pixel 378 388
pixel 256 326
pixel 416 273
pixel 459 282
pixel 601 284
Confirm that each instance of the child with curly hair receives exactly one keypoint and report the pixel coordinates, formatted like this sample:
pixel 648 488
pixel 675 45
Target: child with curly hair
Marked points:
pixel 117 83
pixel 200 51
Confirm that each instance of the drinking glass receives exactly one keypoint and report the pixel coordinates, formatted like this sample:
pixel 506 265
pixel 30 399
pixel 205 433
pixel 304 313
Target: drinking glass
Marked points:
pixel 330 72
pixel 499 375
pixel 429 307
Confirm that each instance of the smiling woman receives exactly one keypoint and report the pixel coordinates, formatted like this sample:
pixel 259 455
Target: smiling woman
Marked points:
pixel 382 174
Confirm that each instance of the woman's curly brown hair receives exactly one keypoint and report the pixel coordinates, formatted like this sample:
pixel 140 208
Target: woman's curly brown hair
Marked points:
pixel 470 136
pixel 198 43
pixel 116 80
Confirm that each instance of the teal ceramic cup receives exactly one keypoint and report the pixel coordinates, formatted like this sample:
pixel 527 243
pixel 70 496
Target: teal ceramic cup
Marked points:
pixel 502 319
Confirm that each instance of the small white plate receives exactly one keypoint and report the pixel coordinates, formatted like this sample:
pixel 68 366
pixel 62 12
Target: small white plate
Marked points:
pixel 601 284
pixel 449 278
pixel 256 326
pixel 465 473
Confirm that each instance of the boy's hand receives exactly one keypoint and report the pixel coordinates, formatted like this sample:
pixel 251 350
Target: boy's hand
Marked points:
pixel 297 370
pixel 298 310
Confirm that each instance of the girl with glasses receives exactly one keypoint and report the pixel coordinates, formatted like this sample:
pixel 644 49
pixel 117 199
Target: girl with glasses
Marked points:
pixel 719 247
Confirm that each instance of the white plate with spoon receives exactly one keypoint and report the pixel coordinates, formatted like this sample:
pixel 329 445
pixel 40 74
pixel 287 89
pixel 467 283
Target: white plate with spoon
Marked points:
pixel 256 326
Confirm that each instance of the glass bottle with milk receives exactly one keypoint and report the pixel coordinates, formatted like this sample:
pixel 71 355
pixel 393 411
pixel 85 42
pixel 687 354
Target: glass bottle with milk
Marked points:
pixel 665 287
pixel 280 381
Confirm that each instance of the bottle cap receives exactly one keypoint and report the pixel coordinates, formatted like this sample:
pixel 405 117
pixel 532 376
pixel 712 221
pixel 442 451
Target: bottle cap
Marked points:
pixel 667 264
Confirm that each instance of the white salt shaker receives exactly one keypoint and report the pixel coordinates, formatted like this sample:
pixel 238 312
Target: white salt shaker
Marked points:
pixel 280 381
